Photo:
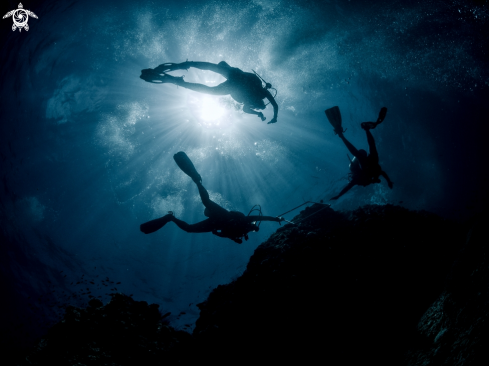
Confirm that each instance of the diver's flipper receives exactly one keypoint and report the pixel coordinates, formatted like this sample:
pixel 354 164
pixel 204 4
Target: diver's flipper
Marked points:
pixel 154 225
pixel 368 125
pixel 371 125
pixel 334 117
pixel 187 166
pixel 151 76
pixel 382 113
pixel 170 66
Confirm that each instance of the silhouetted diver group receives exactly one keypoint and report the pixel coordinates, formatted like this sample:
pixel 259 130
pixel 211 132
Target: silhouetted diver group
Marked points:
pixel 246 88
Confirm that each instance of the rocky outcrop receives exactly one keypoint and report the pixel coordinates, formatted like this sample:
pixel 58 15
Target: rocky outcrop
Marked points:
pixel 123 332
pixel 341 288
pixel 454 330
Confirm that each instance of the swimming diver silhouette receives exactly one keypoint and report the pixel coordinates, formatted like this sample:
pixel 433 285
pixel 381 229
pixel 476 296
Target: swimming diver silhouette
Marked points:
pixel 365 168
pixel 221 222
pixel 244 87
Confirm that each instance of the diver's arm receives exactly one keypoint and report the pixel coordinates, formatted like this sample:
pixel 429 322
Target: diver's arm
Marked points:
pixel 274 104
pixel 343 191
pixel 386 177
pixel 263 218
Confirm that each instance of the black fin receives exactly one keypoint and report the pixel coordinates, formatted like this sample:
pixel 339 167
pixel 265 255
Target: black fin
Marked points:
pixel 154 225
pixel 334 117
pixel 382 114
pixel 186 165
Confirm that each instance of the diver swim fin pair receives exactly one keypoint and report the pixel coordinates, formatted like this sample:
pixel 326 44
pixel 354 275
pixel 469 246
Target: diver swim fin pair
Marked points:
pixel 380 119
pixel 187 166
pixel 152 76
pixel 170 66
pixel 334 117
pixel 156 224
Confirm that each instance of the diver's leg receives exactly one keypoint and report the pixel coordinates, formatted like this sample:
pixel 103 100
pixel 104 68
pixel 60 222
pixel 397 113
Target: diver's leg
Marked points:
pixel 221 89
pixel 350 147
pixel 373 154
pixel 221 68
pixel 213 208
pixel 153 77
pixel 204 226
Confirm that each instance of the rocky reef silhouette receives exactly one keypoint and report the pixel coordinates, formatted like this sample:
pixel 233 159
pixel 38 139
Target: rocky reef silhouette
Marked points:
pixel 380 284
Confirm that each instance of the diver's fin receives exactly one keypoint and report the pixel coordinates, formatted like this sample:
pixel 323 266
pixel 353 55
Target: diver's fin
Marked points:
pixel 156 224
pixel 382 113
pixel 151 76
pixel 187 166
pixel 170 66
pixel 371 125
pixel 334 117
pixel 368 125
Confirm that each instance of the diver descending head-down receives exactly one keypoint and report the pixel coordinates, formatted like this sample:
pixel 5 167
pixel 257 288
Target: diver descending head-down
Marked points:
pixel 244 87
pixel 365 168
pixel 221 222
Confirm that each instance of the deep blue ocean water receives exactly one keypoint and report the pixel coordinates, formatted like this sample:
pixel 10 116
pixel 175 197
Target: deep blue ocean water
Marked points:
pixel 86 146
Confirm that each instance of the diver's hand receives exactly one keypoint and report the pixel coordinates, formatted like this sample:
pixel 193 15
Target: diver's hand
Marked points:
pixel 279 220
pixel 274 120
pixel 260 114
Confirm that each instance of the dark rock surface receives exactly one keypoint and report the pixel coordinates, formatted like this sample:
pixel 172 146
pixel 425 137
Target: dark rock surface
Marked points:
pixel 123 332
pixel 454 330
pixel 339 288
pixel 343 287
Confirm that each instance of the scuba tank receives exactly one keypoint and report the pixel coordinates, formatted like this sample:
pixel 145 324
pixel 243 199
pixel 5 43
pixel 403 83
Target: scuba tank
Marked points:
pixel 355 166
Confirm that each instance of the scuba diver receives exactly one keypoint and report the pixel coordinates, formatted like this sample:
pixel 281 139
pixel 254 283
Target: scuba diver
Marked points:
pixel 365 168
pixel 245 88
pixel 221 222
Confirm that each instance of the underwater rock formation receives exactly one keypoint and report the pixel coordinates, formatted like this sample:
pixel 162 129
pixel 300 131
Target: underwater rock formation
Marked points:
pixel 123 332
pixel 336 287
pixel 454 330
pixel 343 287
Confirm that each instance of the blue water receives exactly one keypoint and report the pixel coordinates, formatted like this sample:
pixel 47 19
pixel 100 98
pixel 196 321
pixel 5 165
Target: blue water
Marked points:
pixel 86 146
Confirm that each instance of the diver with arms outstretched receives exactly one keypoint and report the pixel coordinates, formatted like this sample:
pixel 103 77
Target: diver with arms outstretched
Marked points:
pixel 221 222
pixel 365 168
pixel 244 87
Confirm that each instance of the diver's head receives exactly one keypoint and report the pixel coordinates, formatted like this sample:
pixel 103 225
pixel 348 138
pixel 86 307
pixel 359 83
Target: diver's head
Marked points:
pixel 268 86
pixel 362 153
